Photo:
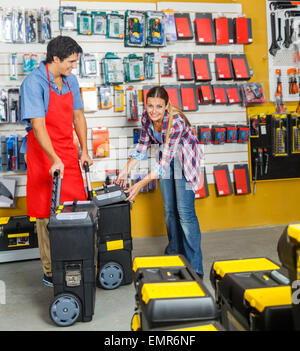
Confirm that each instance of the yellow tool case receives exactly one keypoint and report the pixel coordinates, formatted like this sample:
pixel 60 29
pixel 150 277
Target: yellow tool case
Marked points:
pixel 170 295
pixel 252 294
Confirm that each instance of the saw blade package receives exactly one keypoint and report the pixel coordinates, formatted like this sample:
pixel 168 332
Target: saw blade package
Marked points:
pixel 134 28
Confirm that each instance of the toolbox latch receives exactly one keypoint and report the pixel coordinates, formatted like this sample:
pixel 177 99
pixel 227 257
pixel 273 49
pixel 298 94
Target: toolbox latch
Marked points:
pixel 73 275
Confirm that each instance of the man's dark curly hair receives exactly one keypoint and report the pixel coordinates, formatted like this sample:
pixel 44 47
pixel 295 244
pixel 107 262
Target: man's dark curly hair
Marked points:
pixel 62 47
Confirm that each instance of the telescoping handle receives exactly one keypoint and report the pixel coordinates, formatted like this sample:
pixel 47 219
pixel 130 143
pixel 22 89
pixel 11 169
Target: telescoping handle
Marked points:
pixel 56 189
pixel 88 180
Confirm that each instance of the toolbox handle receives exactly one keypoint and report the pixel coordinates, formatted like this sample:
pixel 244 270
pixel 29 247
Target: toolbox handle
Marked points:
pixel 88 180
pixel 56 189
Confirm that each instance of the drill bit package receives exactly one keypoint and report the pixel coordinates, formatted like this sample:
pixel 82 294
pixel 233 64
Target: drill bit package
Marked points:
pixel 134 28
pixel 134 68
pixel 3 105
pixel 67 18
pixel 280 136
pixel 115 25
pixel 45 29
pixel 132 110
pixel 88 66
pixel 13 66
pixel 149 65
pixel 98 23
pixel 31 26
pixel 84 23
pixel 7 26
pixel 14 105
pixel 113 69
pixel 18 26
pixel 155 29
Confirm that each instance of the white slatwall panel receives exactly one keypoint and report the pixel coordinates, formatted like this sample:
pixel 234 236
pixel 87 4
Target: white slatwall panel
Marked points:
pixel 121 130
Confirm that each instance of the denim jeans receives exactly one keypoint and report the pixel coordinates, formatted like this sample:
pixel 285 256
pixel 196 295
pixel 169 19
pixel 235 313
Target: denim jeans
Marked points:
pixel 182 223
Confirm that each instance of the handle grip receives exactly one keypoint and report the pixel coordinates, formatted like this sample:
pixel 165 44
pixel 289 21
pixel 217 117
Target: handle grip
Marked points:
pixel 56 190
pixel 88 180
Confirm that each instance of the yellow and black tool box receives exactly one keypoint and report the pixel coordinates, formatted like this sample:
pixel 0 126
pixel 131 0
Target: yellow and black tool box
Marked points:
pixel 252 294
pixel 18 232
pixel 169 295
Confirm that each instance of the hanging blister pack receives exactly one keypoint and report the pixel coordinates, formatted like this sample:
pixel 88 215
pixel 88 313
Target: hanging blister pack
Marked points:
pixel 134 28
pixel 119 99
pixel 171 34
pixel 134 68
pixel 98 23
pixel 7 26
pixel 14 105
pixel 67 18
pixel 12 154
pixel 13 66
pixel 295 134
pixel 105 97
pixel 29 62
pixel 115 25
pixel 132 104
pixel 149 65
pixel 18 26
pixel 45 29
pixel 3 105
pixel 155 29
pixel 280 137
pixel 166 66
pixel 31 26
pixel 84 23
pixel 88 66
pixel 113 69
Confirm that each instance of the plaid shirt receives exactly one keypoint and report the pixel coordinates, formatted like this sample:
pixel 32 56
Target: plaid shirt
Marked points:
pixel 182 142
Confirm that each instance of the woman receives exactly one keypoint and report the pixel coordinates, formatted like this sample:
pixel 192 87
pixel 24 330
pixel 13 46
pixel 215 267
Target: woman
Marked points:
pixel 179 171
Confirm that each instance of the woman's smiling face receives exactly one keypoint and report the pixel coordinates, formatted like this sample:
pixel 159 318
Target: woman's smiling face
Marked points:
pixel 156 108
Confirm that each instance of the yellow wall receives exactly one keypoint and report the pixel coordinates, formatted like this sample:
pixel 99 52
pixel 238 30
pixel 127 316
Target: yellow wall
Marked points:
pixel 275 202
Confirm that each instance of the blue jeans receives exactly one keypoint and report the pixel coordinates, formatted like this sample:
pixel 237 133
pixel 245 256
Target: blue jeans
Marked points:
pixel 182 223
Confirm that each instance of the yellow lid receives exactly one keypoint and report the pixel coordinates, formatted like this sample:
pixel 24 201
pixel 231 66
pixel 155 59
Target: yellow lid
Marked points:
pixel 4 220
pixel 294 231
pixel 32 219
pixel 207 327
pixel 171 290
pixel 246 265
pixel 157 261
pixel 114 245
pixel 267 297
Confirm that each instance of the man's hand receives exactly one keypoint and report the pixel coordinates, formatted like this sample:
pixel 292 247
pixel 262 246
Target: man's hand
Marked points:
pixel 57 165
pixel 84 157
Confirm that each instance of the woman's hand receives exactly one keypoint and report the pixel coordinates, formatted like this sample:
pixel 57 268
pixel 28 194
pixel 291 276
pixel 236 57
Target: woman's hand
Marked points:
pixel 122 177
pixel 134 190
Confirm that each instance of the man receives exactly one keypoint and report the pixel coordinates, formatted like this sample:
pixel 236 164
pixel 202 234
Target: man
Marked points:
pixel 51 105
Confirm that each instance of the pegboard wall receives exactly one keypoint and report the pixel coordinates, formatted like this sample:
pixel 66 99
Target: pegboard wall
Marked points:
pixel 120 129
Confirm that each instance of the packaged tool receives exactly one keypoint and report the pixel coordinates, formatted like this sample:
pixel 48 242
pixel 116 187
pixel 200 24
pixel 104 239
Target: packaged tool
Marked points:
pixel 100 142
pixel 105 97
pixel 67 18
pixel 204 191
pixel 170 295
pixel 252 93
pixel 88 65
pixel 295 131
pixel 183 26
pixel 14 105
pixel 241 179
pixel 134 28
pixel 113 69
pixel 18 26
pixel 149 65
pixel 220 94
pixel 223 67
pixel 204 29
pixel 119 99
pixel 115 25
pixel 13 66
pixel 155 29
pixel 224 30
pixel 205 94
pixel 89 98
pixel 98 22
pixel 16 232
pixel 202 67
pixel 174 95
pixel 279 103
pixel 204 134
pixel 45 28
pixel 132 109
pixel 12 153
pixel 231 133
pixel 184 64
pixel 218 134
pixel 31 26
pixel 84 23
pixel 280 137
pixel 171 33
pixel 240 67
pixel 189 97
pixel 72 229
pixel 4 116
pixel 233 94
pixel 242 27
pixel 222 180
pixel 7 26
pixel 293 83
pixel 134 68
pixel 166 66
pixel 243 134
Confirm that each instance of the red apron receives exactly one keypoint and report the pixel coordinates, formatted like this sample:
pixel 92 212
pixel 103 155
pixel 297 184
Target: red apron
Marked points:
pixel 59 124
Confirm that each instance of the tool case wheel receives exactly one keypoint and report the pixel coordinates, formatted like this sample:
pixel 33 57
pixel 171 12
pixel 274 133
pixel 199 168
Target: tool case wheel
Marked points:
pixel 111 276
pixel 65 309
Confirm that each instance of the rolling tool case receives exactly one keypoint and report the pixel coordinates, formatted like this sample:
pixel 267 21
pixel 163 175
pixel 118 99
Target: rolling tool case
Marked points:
pixel 252 294
pixel 114 236
pixel 72 227
pixel 170 295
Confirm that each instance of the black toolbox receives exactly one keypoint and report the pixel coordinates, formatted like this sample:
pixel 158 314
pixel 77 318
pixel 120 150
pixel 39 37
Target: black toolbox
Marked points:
pixel 17 232
pixel 72 227
pixel 252 294
pixel 114 264
pixel 170 296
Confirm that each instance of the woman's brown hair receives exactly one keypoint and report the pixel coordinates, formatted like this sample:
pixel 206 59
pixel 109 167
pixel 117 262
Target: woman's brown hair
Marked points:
pixel 160 92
